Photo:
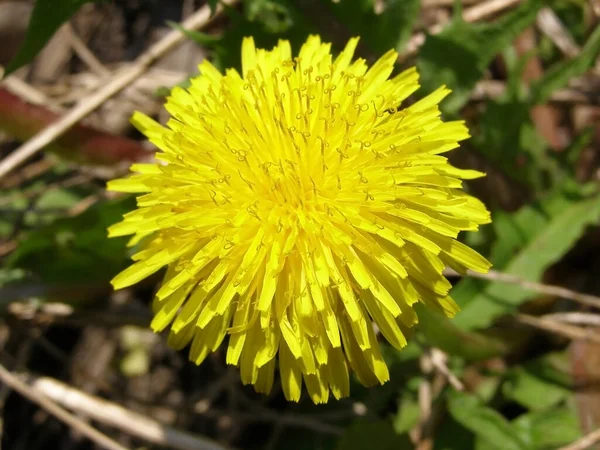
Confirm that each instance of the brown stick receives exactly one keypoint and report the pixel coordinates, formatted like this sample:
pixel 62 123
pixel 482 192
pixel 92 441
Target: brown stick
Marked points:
pixel 114 415
pixel 585 442
pixel 60 413
pixel 568 331
pixel 557 291
pixel 115 84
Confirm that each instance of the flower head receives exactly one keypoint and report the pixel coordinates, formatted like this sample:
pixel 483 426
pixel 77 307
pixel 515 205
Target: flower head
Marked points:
pixel 294 205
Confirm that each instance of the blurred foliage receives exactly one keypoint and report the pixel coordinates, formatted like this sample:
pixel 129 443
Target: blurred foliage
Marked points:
pixel 528 405
pixel 75 248
pixel 461 53
pixel 547 230
pixel 380 32
pixel 558 75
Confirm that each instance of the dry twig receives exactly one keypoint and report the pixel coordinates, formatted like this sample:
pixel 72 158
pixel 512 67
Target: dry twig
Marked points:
pixel 85 54
pixel 60 413
pixel 562 329
pixel 116 416
pixel 577 318
pixel 439 360
pixel 117 82
pixel 29 93
pixel 430 411
pixel 495 88
pixel 585 442
pixel 547 289
pixel 549 23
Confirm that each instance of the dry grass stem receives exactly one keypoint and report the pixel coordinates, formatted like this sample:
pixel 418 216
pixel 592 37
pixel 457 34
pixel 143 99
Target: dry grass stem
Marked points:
pixel 116 83
pixel 547 289
pixel 85 54
pixel 113 415
pixel 440 361
pixel 39 398
pixel 585 442
pixel 576 318
pixel 28 92
pixel 562 329
pixel 549 23
pixel 493 88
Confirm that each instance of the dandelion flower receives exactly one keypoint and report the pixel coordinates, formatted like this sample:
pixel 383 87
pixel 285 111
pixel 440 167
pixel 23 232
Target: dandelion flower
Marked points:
pixel 295 205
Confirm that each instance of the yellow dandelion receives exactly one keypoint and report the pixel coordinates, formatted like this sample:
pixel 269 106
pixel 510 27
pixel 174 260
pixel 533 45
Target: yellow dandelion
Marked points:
pixel 295 205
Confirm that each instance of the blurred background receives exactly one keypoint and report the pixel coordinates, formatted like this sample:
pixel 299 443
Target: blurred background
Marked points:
pixel 517 369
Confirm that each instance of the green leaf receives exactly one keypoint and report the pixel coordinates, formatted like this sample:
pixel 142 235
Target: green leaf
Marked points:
pixel 274 16
pixel 512 232
pixel 75 249
pixel 548 430
pixel 515 230
pixel 57 198
pixel 379 435
pixel 8 276
pixel 502 138
pixel 542 383
pixel 559 75
pixel 267 21
pixel 46 18
pixel 409 411
pixel 197 36
pixel 506 135
pixel 532 391
pixel 548 245
pixel 443 333
pixel 380 32
pixel 459 55
pixel 486 423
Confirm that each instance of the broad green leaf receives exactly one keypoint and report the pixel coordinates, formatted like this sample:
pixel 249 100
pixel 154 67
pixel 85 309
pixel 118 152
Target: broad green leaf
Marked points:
pixel 486 423
pixel 532 391
pixel 460 54
pixel 549 244
pixel 75 249
pixel 58 198
pixel 559 75
pixel 409 411
pixel 503 136
pixel 548 430
pixel 443 333
pixel 378 435
pixel 379 31
pixel 542 383
pixel 513 231
pixel 46 18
